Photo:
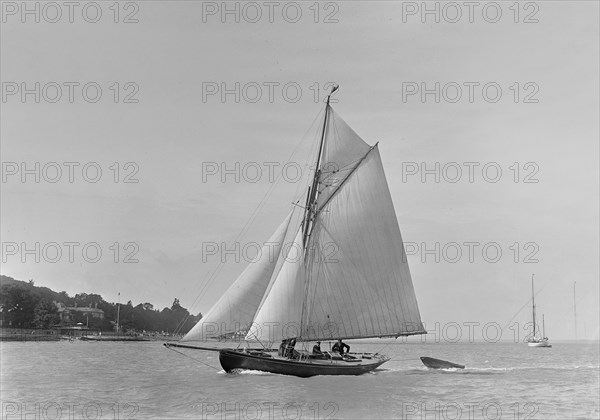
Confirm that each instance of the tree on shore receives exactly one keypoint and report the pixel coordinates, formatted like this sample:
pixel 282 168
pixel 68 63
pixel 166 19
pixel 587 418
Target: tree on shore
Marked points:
pixel 18 305
pixel 24 305
pixel 45 314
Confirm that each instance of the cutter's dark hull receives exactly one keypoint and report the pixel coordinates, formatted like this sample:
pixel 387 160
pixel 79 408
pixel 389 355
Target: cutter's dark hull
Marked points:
pixel 234 359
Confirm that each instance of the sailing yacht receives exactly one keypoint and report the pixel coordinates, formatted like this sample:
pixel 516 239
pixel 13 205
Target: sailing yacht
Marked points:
pixel 304 296
pixel 536 340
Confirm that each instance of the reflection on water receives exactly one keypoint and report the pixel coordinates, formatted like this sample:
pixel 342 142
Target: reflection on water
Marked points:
pixel 145 380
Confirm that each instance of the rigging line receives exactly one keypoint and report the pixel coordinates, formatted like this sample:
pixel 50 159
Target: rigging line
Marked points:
pixel 334 193
pixel 313 278
pixel 308 302
pixel 193 358
pixel 522 307
pixel 381 349
pixel 338 138
pixel 250 220
pixel 312 196
pixel 311 153
pixel 276 274
pixel 348 167
pixel 274 184
pixel 259 342
pixel 320 270
pixel 324 277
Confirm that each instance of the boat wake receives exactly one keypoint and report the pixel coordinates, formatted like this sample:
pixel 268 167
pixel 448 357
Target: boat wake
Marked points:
pixel 244 372
pixel 445 371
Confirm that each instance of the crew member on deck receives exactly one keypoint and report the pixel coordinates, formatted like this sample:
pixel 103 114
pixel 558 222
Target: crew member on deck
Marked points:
pixel 341 347
pixel 317 348
pixel 290 353
pixel 282 347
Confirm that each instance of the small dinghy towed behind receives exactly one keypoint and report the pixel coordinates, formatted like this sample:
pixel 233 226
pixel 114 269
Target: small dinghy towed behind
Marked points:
pixel 432 363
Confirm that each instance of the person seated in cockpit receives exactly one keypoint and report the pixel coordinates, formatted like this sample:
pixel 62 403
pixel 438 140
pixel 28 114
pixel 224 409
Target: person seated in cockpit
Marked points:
pixel 290 353
pixel 340 347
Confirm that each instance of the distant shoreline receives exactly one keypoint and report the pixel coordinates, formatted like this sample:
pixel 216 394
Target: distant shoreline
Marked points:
pixel 28 334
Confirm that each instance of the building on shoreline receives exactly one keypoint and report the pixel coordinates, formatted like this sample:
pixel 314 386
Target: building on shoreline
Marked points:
pixel 67 313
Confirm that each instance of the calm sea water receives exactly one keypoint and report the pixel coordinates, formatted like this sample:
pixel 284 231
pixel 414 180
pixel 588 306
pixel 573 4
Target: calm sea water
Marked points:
pixel 66 380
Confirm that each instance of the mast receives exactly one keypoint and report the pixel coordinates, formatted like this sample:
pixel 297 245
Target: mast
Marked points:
pixel 575 308
pixel 533 302
pixel 310 211
pixel 543 327
pixel 118 310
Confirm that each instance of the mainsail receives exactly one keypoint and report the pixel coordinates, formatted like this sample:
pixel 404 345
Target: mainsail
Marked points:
pixel 359 282
pixel 236 309
pixel 353 280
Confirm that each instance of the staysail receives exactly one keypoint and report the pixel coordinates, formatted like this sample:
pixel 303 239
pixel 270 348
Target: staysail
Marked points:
pixel 236 309
pixel 279 314
pixel 354 280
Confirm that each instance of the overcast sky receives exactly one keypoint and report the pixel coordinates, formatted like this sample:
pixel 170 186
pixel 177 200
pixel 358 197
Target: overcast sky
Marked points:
pixel 528 106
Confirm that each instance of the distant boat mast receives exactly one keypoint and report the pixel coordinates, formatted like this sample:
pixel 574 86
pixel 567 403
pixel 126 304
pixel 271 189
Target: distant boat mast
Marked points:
pixel 575 307
pixel 543 327
pixel 533 303
pixel 118 310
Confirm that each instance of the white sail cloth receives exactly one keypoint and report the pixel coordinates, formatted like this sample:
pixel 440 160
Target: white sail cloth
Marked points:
pixel 279 315
pixel 236 309
pixel 359 283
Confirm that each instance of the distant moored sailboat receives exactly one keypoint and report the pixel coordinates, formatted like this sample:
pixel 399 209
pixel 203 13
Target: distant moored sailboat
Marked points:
pixel 536 340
